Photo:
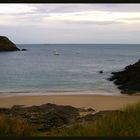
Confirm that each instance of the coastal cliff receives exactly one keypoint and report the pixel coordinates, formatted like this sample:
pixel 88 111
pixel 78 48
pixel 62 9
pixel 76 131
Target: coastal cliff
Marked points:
pixel 128 80
pixel 7 45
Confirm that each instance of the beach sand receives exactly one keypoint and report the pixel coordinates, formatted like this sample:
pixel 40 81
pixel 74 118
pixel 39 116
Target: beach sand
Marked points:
pixel 97 102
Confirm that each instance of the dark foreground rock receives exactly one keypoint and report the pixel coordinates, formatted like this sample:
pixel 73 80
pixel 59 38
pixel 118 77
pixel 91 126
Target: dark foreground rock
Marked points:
pixel 7 45
pixel 50 116
pixel 128 80
pixel 45 116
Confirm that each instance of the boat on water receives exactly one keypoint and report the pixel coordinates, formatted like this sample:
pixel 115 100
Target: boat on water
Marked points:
pixel 55 52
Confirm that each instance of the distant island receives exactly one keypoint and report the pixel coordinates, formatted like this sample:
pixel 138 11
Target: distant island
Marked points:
pixel 128 80
pixel 7 45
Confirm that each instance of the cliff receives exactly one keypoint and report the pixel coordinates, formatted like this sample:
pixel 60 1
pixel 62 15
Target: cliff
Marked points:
pixel 128 80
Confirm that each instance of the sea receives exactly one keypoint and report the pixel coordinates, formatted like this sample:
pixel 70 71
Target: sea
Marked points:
pixel 54 69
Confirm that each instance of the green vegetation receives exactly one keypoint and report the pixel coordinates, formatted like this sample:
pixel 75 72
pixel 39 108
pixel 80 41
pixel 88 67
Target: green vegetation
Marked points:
pixel 123 123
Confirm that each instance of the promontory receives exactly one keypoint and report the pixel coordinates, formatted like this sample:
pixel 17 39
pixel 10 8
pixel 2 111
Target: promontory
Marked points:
pixel 7 45
pixel 128 80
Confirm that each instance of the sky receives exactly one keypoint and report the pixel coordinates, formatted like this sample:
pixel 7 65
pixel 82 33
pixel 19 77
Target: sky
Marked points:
pixel 70 23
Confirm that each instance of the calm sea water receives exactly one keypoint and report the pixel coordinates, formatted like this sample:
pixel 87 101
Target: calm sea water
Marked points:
pixel 76 68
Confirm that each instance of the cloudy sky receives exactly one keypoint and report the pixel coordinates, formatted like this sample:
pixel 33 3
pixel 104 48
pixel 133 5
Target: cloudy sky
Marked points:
pixel 70 23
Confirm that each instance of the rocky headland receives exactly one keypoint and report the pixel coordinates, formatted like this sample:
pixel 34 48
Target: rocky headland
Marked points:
pixel 7 45
pixel 128 80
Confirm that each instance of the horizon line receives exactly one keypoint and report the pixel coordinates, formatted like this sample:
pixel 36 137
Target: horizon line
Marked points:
pixel 78 43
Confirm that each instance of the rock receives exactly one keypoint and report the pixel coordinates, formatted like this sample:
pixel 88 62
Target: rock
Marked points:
pixel 91 110
pixel 58 115
pixel 128 80
pixel 93 117
pixel 4 110
pixel 46 116
pixel 23 49
pixel 7 45
pixel 17 106
pixel 100 71
pixel 86 110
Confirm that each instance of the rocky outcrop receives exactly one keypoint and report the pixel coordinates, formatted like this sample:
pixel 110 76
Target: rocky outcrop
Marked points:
pixel 128 80
pixel 51 116
pixel 7 45
pixel 23 49
pixel 45 117
pixel 101 71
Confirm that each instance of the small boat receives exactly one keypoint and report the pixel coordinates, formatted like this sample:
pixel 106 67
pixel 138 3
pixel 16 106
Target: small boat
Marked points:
pixel 55 52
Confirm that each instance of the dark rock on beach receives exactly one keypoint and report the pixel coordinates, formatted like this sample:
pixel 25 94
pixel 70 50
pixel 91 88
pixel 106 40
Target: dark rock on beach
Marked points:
pixel 7 45
pixel 128 80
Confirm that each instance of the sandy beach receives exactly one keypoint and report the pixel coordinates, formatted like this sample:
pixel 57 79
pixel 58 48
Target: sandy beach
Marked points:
pixel 97 102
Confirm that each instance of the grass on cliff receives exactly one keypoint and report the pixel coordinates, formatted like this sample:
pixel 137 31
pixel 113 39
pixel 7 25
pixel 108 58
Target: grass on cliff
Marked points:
pixel 13 126
pixel 126 123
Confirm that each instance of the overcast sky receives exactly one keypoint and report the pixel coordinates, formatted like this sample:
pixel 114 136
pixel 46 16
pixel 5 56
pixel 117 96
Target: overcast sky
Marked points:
pixel 70 23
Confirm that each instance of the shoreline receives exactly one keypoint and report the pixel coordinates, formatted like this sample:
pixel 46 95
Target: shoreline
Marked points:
pixel 53 93
pixel 97 102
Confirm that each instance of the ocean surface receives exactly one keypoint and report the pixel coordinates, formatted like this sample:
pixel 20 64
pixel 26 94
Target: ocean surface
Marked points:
pixel 75 69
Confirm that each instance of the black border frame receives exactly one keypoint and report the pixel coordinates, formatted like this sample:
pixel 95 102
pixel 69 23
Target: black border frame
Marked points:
pixel 68 2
